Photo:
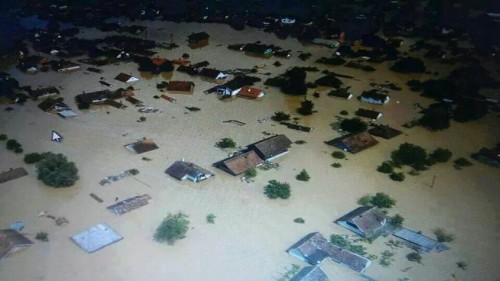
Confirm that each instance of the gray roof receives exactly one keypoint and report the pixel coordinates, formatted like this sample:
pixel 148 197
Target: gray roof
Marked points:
pixel 311 273
pixel 12 174
pixel 96 238
pixel 316 248
pixel 241 163
pixel 423 242
pixel 367 219
pixel 179 169
pixel 10 240
pixel 272 146
pixel 129 204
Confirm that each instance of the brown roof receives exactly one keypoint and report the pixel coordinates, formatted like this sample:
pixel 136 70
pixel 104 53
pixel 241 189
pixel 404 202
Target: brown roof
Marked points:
pixel 354 143
pixel 250 92
pixel 12 174
pixel 142 146
pixel 367 219
pixel 180 86
pixel 158 61
pixel 241 163
pixel 272 146
pixel 12 241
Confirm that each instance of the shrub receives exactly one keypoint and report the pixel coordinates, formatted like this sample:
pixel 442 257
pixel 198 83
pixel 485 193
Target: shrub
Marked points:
pixel 12 144
pixel 42 236
pixel 56 171
pixel 344 112
pixel 442 236
pixel 276 189
pixel 172 228
pixel 336 165
pixel 353 125
pixel 441 155
pixel 338 155
pixel 386 259
pixel 397 220
pixel 411 155
pixel 31 158
pixel 133 172
pixel 142 119
pixel 18 150
pixel 382 201
pixel 299 220
pixel 430 161
pixel 211 218
pixel 462 162
pixel 386 167
pixel 397 176
pixel 365 200
pixel 146 159
pixel 462 265
pixel 415 256
pixel 226 143
pixel 303 176
pixel 3 137
pixel 280 116
pixel 250 173
pixel 306 107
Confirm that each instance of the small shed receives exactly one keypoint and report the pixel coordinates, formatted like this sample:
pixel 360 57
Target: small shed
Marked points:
pixel 12 242
pixel 96 238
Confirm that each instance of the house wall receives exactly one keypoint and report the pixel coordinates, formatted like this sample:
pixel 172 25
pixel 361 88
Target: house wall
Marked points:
pixel 297 254
pixel 350 227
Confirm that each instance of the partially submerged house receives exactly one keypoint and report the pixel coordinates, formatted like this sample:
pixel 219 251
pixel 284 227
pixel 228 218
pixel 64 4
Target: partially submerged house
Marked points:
pixel 367 221
pixel 180 87
pixel 51 105
pixel 272 147
pixel 12 174
pixel 311 273
pixel 96 238
pixel 129 204
pixel 44 92
pixel 384 131
pixel 340 93
pixel 314 248
pixel 250 92
pixel 259 49
pixel 65 66
pixel 374 98
pixel 12 242
pixel 354 143
pixel 142 146
pixel 419 242
pixel 330 43
pixel 213 75
pixel 198 40
pixel 240 163
pixel 370 114
pixel 182 170
pixel 126 78
pixel 488 156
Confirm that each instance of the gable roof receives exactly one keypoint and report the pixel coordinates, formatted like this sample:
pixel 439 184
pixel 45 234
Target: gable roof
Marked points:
pixel 96 238
pixel 310 273
pixel 354 143
pixel 12 241
pixel 180 169
pixel 129 204
pixel 239 164
pixel 272 147
pixel 250 92
pixel 316 248
pixel 367 219
pixel 367 113
pixel 44 92
pixel 142 146
pixel 180 86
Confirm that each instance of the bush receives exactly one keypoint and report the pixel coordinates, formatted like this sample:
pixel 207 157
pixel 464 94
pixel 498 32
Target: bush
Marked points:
pixel 276 189
pixel 32 158
pixel 365 200
pixel 462 265
pixel 336 165
pixel 441 155
pixel 226 143
pixel 415 256
pixel 299 220
pixel 303 176
pixel 411 155
pixel 338 155
pixel 442 236
pixel 251 173
pixel 344 112
pixel 353 125
pixel 12 144
pixel 300 142
pixel 211 218
pixel 280 116
pixel 18 150
pixel 397 176
pixel 409 65
pixel 462 162
pixel 382 200
pixel 386 258
pixel 56 171
pixel 3 137
pixel 172 228
pixel 397 220
pixel 386 167
pixel 42 236
pixel 133 172
pixel 306 107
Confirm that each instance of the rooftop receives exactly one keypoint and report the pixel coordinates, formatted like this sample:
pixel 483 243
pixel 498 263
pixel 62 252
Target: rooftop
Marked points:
pixel 96 238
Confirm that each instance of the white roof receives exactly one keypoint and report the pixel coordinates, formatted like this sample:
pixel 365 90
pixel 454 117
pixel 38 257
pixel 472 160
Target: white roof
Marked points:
pixel 96 238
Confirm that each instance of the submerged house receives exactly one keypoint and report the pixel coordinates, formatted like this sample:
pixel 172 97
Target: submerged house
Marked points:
pixel 51 105
pixel 44 92
pixel 198 40
pixel 126 78
pixel 419 242
pixel 240 163
pixel 96 238
pixel 212 74
pixel 488 156
pixel 314 248
pixel 311 273
pixel 142 146
pixel 374 97
pixel 180 87
pixel 354 143
pixel 368 222
pixel 12 242
pixel 370 114
pixel 182 170
pixel 272 147
pixel 129 204
pixel 384 131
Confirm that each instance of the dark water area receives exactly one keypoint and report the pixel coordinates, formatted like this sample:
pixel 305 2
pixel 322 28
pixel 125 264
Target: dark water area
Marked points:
pixel 10 32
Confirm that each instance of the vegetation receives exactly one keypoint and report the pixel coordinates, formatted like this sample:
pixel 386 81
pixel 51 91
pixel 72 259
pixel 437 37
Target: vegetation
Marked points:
pixel 382 201
pixel 299 220
pixel 172 228
pixel 353 125
pixel 344 244
pixel 336 165
pixel 442 236
pixel 303 176
pixel 409 65
pixel 211 218
pixel 387 258
pixel 397 220
pixel 415 256
pixel 338 154
pixel 42 236
pixel 306 107
pixel 32 158
pixel 300 142
pixel 295 82
pixel 461 162
pixel 13 145
pixel 397 176
pixel 386 167
pixel 133 172
pixel 276 189
pixel 462 265
pixel 56 171
pixel 3 137
pixel 411 155
pixel 280 116
pixel 436 117
pixel 441 155
pixel 226 143
pixel 335 60
pixel 344 112
pixel 251 173
pixel 290 273
pixel 365 200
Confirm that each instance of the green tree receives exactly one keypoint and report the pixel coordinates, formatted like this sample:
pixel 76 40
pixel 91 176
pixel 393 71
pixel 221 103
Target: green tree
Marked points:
pixel 442 236
pixel 251 173
pixel 397 220
pixel 365 200
pixel 306 107
pixel 226 143
pixel 56 171
pixel 42 236
pixel 386 167
pixel 299 220
pixel 276 189
pixel 441 155
pixel 12 144
pixel 172 228
pixel 31 158
pixel 3 137
pixel 397 176
pixel 383 201
pixel 295 82
pixel 338 154
pixel 411 155
pixel 415 256
pixel 211 218
pixel 303 176
pixel 436 118
pixel 353 125
pixel 280 116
